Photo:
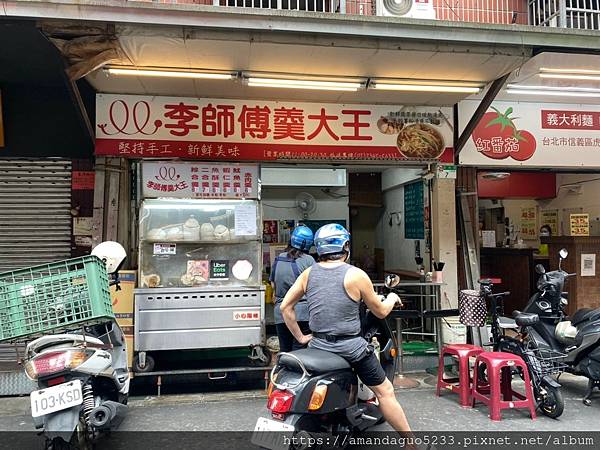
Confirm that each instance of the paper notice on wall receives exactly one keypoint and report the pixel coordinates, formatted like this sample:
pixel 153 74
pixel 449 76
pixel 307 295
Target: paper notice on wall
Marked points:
pixel 83 226
pixel 588 265
pixel 245 220
pixel 528 223
pixel 580 224
pixel 550 218
pixel 488 238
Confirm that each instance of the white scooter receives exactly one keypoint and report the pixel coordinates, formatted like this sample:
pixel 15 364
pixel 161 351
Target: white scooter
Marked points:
pixel 83 377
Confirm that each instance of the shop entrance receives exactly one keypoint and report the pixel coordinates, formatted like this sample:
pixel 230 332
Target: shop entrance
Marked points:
pixel 382 207
pixel 386 209
pixel 525 218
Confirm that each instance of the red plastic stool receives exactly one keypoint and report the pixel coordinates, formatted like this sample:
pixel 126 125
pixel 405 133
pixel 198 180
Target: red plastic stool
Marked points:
pixel 499 366
pixel 463 352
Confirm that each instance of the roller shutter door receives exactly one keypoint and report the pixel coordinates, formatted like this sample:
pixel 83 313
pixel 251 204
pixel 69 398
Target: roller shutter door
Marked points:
pixel 35 212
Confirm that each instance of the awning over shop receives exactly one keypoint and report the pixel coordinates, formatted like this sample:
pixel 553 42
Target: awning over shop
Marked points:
pixel 298 55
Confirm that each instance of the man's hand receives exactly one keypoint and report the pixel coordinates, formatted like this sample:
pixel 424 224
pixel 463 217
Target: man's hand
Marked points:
pixel 393 297
pixel 305 339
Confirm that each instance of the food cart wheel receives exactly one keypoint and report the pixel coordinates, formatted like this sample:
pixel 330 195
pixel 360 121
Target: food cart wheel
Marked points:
pixel 260 356
pixel 148 367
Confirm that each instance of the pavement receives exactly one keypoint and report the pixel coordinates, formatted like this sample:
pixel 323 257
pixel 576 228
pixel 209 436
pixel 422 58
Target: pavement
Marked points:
pixel 238 410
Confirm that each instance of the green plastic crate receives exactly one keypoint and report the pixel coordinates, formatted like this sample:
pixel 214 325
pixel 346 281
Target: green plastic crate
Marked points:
pixel 53 297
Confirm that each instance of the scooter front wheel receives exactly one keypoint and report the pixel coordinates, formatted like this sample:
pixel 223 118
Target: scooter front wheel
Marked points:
pixel 553 403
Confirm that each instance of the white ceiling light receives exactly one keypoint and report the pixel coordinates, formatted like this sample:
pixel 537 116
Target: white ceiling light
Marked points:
pixel 170 73
pixel 563 93
pixel 577 71
pixel 426 86
pixel 570 76
pixel 552 88
pixel 316 84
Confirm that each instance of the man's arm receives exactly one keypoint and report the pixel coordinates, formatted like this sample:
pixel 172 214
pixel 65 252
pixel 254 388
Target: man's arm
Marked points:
pixel 293 296
pixel 373 301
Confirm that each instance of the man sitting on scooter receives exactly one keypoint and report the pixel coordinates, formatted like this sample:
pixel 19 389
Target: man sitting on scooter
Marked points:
pixel 334 290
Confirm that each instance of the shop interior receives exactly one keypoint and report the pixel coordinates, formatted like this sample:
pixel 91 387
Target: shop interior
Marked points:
pixel 515 211
pixel 385 209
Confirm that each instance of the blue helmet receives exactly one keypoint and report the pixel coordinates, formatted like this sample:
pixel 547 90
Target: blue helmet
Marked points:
pixel 331 238
pixel 302 238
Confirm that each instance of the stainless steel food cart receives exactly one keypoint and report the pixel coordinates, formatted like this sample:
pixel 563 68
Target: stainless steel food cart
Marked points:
pixel 200 263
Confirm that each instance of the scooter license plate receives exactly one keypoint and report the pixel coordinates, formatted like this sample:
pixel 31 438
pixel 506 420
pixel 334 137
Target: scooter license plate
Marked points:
pixel 56 398
pixel 272 434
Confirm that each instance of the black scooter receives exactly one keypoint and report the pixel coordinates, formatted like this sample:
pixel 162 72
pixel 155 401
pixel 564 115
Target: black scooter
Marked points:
pixel 576 337
pixel 315 397
pixel 550 342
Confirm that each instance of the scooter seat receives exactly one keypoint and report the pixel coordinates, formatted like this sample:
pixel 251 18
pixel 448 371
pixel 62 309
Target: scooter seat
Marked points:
pixel 525 319
pixel 585 315
pixel 315 361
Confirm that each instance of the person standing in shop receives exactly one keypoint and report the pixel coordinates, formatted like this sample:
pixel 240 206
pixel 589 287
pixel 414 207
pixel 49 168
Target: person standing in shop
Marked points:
pixel 287 267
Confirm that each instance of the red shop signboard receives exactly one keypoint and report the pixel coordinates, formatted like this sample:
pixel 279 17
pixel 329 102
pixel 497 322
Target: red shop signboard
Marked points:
pixel 250 130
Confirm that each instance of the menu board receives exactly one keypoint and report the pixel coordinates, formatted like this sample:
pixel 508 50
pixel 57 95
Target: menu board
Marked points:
pixel 528 223
pixel 414 211
pixel 550 218
pixel 580 224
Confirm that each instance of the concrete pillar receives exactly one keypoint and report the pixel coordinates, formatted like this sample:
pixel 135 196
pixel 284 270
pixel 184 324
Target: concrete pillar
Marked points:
pixel 443 243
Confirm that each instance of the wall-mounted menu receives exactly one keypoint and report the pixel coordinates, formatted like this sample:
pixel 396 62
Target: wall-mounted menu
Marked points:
pixel 414 215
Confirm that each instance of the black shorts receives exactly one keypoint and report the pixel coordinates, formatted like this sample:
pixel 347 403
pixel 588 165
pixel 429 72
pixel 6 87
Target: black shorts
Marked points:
pixel 369 370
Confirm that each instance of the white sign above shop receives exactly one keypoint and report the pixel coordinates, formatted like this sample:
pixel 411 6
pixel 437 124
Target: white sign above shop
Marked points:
pixel 199 180
pixel 513 134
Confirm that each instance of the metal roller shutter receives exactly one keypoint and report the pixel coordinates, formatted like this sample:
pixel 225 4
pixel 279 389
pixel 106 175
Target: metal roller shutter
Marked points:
pixel 35 212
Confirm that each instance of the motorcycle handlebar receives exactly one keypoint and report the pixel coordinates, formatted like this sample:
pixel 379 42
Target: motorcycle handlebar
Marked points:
pixel 502 294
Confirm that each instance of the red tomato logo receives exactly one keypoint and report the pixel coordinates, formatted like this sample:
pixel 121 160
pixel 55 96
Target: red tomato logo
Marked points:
pixel 497 137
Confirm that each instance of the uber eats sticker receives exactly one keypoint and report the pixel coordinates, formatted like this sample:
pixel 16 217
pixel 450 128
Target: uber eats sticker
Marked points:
pixel 219 270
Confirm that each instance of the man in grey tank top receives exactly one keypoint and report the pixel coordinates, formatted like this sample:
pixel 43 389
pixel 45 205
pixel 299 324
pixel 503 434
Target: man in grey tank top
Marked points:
pixel 333 291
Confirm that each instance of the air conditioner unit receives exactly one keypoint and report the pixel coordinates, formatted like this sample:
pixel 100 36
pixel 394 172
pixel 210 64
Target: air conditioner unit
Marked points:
pixel 418 9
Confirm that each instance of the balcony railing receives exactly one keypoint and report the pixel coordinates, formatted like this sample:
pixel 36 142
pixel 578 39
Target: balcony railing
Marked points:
pixel 485 11
pixel 582 14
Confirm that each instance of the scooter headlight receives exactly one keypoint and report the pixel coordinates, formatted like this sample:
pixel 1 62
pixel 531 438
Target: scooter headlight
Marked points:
pixel 55 361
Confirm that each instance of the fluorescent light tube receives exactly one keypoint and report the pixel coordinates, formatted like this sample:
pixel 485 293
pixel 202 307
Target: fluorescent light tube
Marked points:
pixel 169 73
pixel 304 84
pixel 552 93
pixel 577 71
pixel 427 88
pixel 553 88
pixel 570 76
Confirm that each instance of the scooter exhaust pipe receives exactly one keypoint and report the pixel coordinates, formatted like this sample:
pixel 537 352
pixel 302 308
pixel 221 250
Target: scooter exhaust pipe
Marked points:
pixel 108 415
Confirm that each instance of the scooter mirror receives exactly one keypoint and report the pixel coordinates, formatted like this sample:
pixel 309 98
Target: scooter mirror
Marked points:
pixel 540 270
pixel 563 253
pixel 392 280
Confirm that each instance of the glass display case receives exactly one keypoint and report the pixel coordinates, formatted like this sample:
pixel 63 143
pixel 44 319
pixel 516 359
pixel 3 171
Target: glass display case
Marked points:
pixel 200 243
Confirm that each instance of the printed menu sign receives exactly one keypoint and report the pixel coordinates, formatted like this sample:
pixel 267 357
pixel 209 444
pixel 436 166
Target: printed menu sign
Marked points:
pixel 580 224
pixel 528 223
pixel 550 218
pixel 199 180
pixel 414 211
pixel 245 220
pixel 219 270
